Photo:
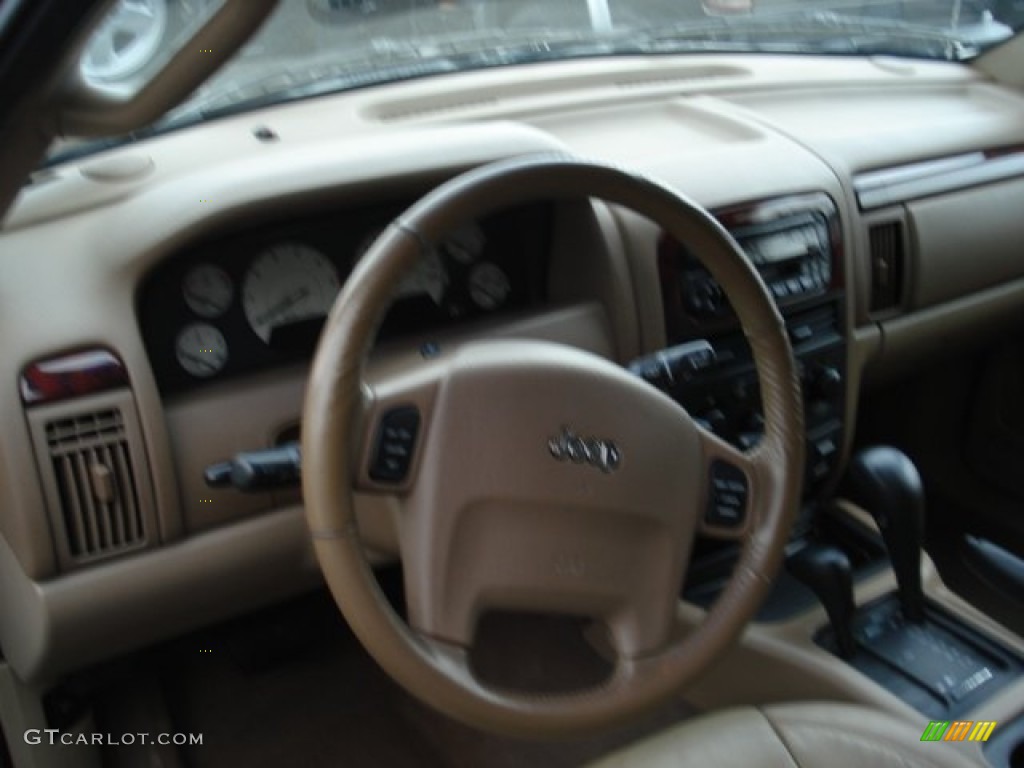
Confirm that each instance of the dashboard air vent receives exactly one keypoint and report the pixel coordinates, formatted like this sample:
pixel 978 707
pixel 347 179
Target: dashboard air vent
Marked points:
pixel 95 476
pixel 887 265
pixel 92 465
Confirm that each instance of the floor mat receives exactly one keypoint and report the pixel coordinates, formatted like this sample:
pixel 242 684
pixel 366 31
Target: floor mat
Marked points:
pixel 293 687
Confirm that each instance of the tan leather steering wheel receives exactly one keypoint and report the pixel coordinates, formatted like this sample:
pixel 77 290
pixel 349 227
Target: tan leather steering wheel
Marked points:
pixel 490 517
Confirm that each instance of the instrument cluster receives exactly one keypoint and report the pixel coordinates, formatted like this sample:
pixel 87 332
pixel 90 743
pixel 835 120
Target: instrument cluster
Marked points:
pixel 255 299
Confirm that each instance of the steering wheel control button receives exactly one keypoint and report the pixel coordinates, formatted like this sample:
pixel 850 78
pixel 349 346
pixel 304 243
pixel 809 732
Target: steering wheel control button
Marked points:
pixel 396 438
pixel 727 497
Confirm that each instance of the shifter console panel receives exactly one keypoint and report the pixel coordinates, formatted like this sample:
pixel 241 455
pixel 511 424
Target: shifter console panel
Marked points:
pixel 939 666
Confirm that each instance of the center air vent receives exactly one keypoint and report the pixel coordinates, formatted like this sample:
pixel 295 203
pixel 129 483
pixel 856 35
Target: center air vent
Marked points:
pixel 95 476
pixel 886 250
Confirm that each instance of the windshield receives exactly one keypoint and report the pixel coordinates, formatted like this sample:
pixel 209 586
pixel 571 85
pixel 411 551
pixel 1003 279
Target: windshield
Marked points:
pixel 317 46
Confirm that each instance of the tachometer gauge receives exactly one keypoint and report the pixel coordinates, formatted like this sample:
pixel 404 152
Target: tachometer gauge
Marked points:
pixel 428 278
pixel 285 284
pixel 202 350
pixel 489 286
pixel 208 290
pixel 465 244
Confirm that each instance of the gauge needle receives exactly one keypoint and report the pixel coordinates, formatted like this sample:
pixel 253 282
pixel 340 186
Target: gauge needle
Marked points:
pixel 205 302
pixel 199 360
pixel 283 306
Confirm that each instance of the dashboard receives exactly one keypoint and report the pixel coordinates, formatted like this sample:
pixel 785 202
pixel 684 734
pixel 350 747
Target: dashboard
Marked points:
pixel 202 264
pixel 254 299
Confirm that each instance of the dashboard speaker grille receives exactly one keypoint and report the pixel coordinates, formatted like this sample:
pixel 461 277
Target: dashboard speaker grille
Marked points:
pixel 887 265
pixel 95 475
pixel 92 465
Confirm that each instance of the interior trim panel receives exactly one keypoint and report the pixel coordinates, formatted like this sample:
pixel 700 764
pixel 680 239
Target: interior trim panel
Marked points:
pixel 892 186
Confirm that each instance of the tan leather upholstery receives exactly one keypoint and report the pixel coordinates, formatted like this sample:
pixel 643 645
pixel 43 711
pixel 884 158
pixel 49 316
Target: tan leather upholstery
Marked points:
pixel 813 735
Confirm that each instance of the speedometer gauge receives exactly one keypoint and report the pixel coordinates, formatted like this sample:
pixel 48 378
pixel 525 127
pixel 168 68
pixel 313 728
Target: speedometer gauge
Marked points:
pixel 285 284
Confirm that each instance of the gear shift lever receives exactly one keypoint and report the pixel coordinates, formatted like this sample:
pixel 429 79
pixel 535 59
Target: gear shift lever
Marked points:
pixel 826 571
pixel 885 482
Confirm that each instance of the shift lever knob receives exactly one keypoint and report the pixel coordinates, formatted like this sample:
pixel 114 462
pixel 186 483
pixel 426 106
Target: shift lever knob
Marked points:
pixel 827 572
pixel 885 482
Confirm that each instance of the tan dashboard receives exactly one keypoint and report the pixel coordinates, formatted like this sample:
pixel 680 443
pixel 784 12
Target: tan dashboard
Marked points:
pixel 82 247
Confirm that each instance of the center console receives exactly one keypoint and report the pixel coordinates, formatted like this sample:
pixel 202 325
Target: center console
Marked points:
pixel 794 242
pixel 904 642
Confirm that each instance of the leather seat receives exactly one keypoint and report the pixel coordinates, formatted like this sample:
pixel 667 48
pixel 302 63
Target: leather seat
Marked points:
pixel 805 735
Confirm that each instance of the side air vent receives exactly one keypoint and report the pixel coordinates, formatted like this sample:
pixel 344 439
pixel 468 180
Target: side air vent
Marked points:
pixel 886 248
pixel 96 482
pixel 95 477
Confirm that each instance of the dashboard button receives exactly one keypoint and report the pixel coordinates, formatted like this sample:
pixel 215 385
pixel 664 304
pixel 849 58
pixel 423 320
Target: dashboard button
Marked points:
pixel 801 332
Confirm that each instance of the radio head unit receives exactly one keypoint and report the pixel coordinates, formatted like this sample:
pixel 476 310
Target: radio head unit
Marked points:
pixel 793 243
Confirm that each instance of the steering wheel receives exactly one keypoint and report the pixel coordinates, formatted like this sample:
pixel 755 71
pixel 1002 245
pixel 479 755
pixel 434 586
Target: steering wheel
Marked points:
pixel 539 477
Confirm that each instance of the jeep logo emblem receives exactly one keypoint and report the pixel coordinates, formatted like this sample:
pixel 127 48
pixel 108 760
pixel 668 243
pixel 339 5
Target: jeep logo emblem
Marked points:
pixel 602 454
